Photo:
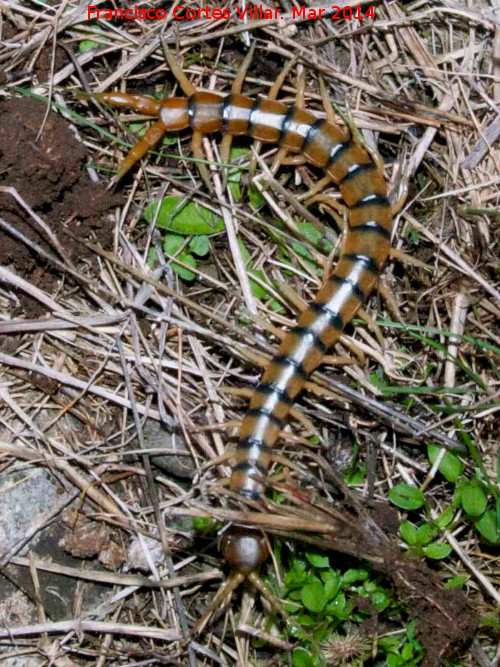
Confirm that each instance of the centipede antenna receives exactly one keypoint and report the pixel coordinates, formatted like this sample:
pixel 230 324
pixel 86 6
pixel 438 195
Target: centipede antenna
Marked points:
pixel 223 597
pixel 273 600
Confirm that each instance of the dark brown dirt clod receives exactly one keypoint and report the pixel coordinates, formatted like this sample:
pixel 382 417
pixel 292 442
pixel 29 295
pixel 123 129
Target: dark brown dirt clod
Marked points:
pixel 51 177
pixel 446 620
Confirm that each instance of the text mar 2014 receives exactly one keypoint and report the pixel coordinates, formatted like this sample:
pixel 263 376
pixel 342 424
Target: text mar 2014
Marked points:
pixel 247 12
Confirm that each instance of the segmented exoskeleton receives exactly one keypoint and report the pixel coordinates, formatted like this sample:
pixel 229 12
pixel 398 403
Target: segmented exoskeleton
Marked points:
pixel 365 249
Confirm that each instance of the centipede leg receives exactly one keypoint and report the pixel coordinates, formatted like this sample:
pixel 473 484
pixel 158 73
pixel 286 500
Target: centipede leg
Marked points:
pixel 273 95
pixel 290 161
pixel 282 157
pixel 139 103
pixel 373 326
pixel 401 200
pixel 390 300
pixel 186 85
pixel 197 148
pixel 274 457
pixel 236 88
pixel 148 141
pixel 317 188
pixel 330 117
pixel 327 105
pixel 188 89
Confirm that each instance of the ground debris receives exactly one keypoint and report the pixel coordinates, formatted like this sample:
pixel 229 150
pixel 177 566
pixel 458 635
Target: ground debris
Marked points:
pixel 50 176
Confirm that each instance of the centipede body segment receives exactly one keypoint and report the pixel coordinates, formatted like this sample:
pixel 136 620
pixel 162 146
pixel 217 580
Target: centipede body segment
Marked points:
pixel 364 251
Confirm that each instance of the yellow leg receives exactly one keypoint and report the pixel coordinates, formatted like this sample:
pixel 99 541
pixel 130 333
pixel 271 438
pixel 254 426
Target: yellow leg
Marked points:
pixel 281 156
pixel 236 88
pixel 319 186
pixel 148 141
pixel 151 137
pixel 197 147
pixel 292 160
pixel 188 89
pixel 186 85
pixel 139 103
pixel 327 105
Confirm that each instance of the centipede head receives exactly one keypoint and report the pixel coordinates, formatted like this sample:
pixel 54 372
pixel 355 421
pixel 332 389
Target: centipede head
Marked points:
pixel 244 550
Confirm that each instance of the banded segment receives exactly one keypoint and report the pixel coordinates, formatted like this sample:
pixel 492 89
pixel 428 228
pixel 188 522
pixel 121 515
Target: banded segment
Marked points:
pixel 364 250
pixel 297 357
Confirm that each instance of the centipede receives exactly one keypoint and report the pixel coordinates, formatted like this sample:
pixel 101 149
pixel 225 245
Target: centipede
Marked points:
pixel 364 251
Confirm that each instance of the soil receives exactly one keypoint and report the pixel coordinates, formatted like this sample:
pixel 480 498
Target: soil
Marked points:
pixel 44 65
pixel 446 621
pixel 49 174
